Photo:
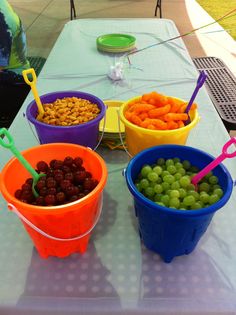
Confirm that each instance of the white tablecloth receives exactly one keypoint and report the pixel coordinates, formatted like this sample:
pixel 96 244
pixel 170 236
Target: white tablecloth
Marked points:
pixel 117 275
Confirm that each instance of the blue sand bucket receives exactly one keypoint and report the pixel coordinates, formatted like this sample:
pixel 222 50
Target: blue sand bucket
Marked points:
pixel 172 232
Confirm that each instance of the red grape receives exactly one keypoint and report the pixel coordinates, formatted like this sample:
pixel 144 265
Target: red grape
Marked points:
pixel 42 166
pixel 50 200
pixel 68 161
pixel 65 181
pixel 78 161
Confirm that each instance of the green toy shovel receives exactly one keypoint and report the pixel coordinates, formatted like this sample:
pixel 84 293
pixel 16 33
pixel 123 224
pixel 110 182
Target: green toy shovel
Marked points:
pixel 11 146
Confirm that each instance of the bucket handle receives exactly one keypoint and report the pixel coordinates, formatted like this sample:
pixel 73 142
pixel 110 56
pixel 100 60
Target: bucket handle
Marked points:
pixel 103 130
pixel 121 139
pixel 99 142
pixel 12 208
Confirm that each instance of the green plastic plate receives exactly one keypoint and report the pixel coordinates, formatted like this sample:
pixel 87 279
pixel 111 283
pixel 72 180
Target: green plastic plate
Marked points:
pixel 114 41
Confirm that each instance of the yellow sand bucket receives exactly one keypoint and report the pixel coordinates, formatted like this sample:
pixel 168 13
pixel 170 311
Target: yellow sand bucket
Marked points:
pixel 138 138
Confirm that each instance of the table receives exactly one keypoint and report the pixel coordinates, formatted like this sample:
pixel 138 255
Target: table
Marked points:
pixel 117 275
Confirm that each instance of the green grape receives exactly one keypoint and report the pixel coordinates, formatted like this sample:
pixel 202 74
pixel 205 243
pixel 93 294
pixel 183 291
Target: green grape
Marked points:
pixel 213 180
pixel 177 176
pixel 144 183
pixel 152 184
pixel 204 187
pixel 178 165
pixel 165 199
pixel 165 186
pixel 182 205
pixel 219 192
pixel 158 188
pixel 169 162
pixel 164 173
pixel 160 161
pixel 174 194
pixel 186 164
pixel 174 202
pixel 145 170
pixel 196 206
pixel 163 167
pixel 184 181
pixel 213 199
pixel 157 197
pixel 175 185
pixel 168 191
pixel 204 197
pixel 157 169
pixel 193 193
pixel 152 176
pixel 149 191
pixel 201 203
pixel 168 184
pixel 188 173
pixel 138 186
pixel 182 171
pixel 182 193
pixel 190 187
pixel 171 169
pixel 176 160
pixel 169 179
pixel 189 200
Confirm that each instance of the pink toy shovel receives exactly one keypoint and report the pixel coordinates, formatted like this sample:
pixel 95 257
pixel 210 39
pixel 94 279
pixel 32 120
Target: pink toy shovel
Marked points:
pixel 225 154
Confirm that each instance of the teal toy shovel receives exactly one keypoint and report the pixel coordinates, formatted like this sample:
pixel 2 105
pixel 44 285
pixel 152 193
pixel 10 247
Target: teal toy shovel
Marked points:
pixel 11 146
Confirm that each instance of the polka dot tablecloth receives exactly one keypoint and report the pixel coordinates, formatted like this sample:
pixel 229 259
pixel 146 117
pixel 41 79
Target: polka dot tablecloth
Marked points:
pixel 117 274
pixel 117 268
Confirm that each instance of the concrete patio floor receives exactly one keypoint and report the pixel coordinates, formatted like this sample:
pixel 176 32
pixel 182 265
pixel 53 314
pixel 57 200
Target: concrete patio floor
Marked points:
pixel 43 21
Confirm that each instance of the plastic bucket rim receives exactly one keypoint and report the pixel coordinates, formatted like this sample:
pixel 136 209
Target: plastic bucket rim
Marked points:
pixel 195 212
pixel 91 122
pixel 56 209
pixel 153 132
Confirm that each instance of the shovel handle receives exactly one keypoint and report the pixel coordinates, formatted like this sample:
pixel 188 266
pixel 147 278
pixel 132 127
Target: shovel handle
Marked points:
pixel 32 84
pixel 10 144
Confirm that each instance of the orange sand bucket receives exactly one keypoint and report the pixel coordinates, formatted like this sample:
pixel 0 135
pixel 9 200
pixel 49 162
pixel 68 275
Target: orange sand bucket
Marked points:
pixel 138 138
pixel 56 230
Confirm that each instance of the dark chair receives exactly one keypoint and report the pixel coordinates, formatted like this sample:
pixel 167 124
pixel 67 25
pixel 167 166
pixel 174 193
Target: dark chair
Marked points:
pixel 158 5
pixel 72 10
pixel 14 95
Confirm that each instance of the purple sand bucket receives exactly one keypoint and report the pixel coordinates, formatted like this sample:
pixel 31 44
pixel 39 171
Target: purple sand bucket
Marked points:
pixel 85 134
pixel 166 231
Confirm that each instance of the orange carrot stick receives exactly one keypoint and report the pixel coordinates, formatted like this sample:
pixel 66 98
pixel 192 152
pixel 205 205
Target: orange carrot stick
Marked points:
pixel 138 108
pixel 136 120
pixel 154 113
pixel 143 115
pixel 159 124
pixel 128 115
pixel 152 127
pixel 173 116
pixel 172 125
